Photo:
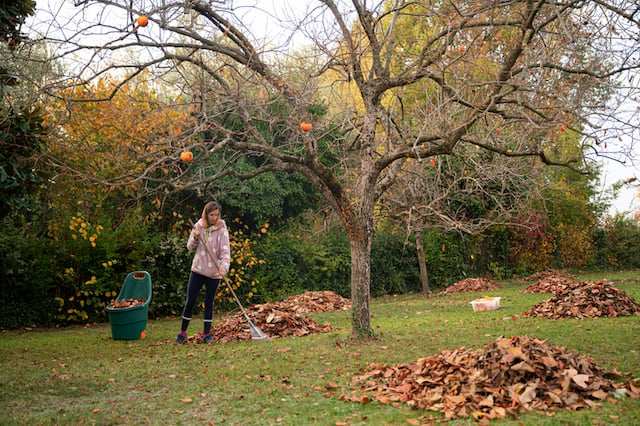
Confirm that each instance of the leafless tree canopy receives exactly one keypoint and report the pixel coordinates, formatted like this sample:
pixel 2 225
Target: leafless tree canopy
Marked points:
pixel 552 80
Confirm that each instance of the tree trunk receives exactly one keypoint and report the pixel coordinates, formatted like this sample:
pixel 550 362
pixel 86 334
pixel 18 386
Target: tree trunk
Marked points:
pixel 360 287
pixel 424 277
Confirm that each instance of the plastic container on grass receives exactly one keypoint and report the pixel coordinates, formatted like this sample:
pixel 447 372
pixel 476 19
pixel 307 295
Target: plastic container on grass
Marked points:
pixel 130 323
pixel 485 304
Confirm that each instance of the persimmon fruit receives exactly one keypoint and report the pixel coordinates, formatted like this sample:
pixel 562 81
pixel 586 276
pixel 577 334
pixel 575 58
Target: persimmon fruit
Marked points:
pixel 143 21
pixel 186 156
pixel 306 126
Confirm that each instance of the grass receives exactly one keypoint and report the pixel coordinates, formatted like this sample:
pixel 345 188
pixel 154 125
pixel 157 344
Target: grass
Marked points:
pixel 80 375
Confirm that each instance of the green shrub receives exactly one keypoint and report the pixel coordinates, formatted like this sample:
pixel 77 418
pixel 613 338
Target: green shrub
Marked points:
pixel 64 271
pixel 449 258
pixel 283 272
pixel 394 263
pixel 298 260
pixel 619 243
pixel 168 262
pixel 26 275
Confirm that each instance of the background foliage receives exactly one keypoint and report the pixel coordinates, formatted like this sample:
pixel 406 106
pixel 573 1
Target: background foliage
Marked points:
pixel 50 277
pixel 69 237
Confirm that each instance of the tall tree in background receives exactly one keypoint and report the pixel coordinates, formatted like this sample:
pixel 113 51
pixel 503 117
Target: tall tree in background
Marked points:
pixel 137 131
pixel 521 68
pixel 468 192
pixel 21 122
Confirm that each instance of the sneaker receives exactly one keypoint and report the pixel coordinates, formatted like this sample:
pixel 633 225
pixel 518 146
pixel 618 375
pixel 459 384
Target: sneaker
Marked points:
pixel 207 339
pixel 180 339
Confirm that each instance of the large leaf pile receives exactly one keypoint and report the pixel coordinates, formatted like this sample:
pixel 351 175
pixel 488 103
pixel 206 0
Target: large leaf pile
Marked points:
pixel 500 379
pixel 469 285
pixel 316 301
pixel 550 281
pixel 550 273
pixel 273 319
pixel 586 299
pixel 550 284
pixel 278 319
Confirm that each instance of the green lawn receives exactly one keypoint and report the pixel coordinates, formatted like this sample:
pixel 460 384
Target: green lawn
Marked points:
pixel 80 375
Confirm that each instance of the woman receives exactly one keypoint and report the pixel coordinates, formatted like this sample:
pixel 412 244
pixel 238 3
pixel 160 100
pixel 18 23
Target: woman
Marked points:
pixel 204 271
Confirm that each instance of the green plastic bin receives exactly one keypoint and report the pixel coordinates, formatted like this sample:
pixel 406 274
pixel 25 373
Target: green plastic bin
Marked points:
pixel 130 323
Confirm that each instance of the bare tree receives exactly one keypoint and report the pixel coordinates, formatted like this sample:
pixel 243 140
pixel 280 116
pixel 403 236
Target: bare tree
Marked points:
pixel 532 70
pixel 468 192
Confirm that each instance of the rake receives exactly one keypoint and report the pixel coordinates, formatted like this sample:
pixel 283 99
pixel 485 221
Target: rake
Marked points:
pixel 256 333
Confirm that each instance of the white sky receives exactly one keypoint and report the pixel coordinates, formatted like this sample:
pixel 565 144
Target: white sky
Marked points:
pixel 627 200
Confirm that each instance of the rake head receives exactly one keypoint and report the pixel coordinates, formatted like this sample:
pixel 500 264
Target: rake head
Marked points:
pixel 256 333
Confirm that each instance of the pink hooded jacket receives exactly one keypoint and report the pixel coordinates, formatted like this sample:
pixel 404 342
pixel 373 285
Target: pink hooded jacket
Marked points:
pixel 217 239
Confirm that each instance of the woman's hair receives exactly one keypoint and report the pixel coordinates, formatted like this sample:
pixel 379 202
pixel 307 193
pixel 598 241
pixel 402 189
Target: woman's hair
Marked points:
pixel 208 208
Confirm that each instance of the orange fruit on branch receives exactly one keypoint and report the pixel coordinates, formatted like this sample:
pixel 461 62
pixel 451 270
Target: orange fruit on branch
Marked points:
pixel 305 126
pixel 186 156
pixel 143 21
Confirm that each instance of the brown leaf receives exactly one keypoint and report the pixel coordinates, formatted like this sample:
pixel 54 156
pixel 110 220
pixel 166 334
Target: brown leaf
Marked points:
pixel 600 394
pixel 528 395
pixel 522 366
pixel 548 362
pixel 487 402
pixel 499 412
pixel 456 399
pixel 516 351
pixel 404 388
pixel 581 380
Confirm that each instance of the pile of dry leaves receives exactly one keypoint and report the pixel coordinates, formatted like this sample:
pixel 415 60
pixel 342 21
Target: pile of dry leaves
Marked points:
pixel 586 299
pixel 274 320
pixel 316 301
pixel 278 319
pixel 503 378
pixel 550 281
pixel 550 273
pixel 550 284
pixel 470 285
pixel 125 303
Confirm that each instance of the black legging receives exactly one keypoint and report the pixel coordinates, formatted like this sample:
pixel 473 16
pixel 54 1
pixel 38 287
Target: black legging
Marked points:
pixel 196 281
